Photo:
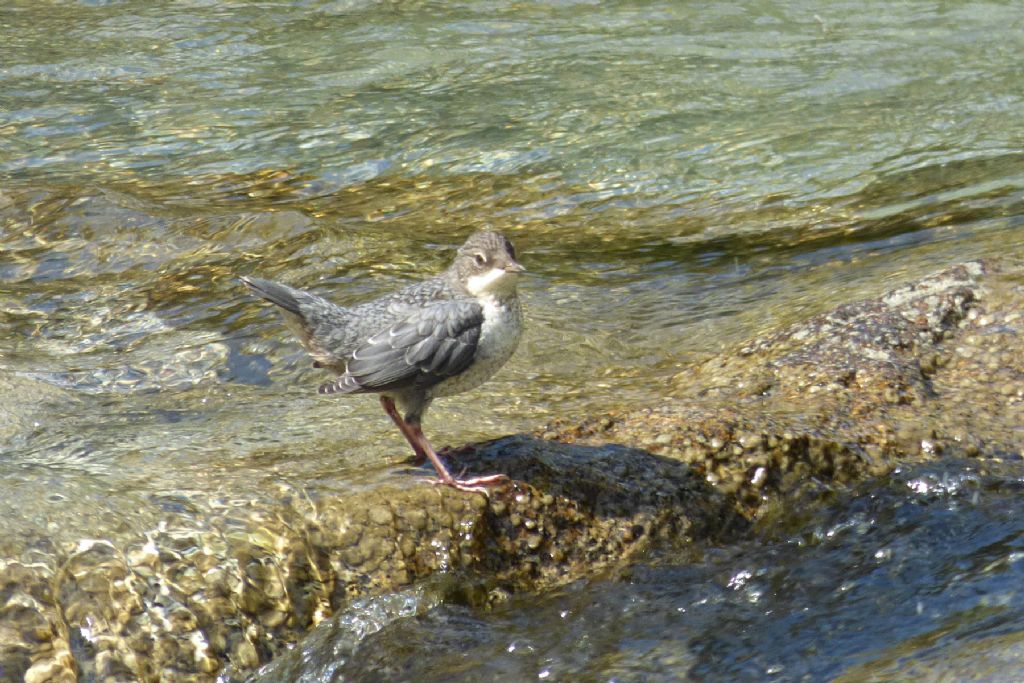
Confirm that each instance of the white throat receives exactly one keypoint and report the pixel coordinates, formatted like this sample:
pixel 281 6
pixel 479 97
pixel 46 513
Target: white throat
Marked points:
pixel 494 281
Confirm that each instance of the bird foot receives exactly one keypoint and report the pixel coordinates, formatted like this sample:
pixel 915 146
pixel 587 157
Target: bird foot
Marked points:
pixel 473 485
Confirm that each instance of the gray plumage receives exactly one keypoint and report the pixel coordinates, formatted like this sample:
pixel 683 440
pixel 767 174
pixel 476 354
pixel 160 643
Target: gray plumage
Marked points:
pixel 439 337
pixel 422 349
pixel 332 334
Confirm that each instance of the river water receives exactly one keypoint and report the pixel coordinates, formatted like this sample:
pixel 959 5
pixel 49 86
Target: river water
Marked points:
pixel 676 176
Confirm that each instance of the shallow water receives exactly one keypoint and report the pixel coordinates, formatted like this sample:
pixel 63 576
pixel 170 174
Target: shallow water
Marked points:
pixel 676 177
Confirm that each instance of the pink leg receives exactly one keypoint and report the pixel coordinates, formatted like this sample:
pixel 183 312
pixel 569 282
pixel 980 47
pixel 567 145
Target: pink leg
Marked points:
pixel 414 435
pixel 403 426
pixel 474 485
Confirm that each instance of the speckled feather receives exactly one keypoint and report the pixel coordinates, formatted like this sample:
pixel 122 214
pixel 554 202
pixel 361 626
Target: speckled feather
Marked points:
pixel 430 339
pixel 429 345
pixel 332 333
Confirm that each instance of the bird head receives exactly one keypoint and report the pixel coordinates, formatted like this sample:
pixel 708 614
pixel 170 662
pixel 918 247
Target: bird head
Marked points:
pixel 486 265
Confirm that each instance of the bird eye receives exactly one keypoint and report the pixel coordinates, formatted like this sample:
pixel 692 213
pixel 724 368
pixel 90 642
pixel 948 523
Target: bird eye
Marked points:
pixel 479 258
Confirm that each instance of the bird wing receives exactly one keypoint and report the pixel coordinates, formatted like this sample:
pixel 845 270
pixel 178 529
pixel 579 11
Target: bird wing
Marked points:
pixel 426 346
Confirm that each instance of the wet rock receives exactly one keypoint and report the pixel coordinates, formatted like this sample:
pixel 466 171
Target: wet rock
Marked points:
pixel 190 603
pixel 929 370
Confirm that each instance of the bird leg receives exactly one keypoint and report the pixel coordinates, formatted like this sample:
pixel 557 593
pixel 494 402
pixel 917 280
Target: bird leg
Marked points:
pixel 413 433
pixel 388 404
pixel 473 485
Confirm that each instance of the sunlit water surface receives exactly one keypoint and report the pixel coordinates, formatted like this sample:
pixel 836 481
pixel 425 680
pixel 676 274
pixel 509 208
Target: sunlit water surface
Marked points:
pixel 676 176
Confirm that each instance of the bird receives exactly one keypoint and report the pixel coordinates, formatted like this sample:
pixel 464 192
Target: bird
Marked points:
pixel 439 337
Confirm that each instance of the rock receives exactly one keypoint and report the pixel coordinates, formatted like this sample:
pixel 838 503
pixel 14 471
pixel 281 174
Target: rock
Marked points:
pixel 933 369
pixel 146 610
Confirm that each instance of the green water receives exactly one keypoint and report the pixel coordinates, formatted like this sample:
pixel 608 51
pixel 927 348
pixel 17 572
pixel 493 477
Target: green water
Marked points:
pixel 676 176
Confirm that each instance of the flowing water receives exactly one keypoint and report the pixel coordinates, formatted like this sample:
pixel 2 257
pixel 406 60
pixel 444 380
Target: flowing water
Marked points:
pixel 676 176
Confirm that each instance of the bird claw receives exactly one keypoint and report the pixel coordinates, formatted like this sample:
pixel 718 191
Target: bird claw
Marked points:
pixel 474 485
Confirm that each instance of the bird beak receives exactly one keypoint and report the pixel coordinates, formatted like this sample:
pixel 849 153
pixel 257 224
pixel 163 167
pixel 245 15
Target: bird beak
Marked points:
pixel 514 267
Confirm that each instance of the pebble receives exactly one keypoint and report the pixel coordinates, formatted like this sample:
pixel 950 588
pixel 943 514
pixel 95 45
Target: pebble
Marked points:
pixel 381 515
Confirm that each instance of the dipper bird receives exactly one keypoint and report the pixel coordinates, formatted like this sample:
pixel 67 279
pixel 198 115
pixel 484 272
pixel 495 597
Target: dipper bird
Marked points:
pixel 440 337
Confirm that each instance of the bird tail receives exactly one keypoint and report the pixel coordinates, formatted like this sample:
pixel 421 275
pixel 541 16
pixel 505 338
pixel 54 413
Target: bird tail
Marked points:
pixel 310 317
pixel 282 295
